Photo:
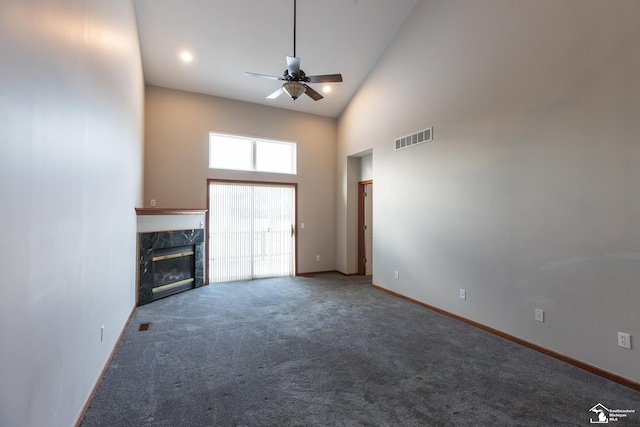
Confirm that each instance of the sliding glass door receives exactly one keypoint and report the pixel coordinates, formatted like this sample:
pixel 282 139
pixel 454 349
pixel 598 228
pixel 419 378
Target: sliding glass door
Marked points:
pixel 251 230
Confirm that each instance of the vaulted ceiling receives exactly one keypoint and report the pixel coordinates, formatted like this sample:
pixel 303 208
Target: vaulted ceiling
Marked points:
pixel 228 38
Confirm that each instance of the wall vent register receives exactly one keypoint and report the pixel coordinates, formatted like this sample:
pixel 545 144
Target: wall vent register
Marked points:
pixel 414 139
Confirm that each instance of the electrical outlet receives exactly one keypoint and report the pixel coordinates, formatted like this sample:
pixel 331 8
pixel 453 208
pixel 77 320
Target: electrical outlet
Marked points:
pixel 317 257
pixel 624 340
pixel 397 274
pixel 153 202
pixel 539 315
pixel 463 294
pixel 102 333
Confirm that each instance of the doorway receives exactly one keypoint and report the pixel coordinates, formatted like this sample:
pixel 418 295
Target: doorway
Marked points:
pixel 365 228
pixel 251 230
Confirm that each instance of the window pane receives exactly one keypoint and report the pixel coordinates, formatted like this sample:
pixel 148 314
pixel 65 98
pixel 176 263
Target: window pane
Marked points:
pixel 278 157
pixel 226 152
pixel 250 231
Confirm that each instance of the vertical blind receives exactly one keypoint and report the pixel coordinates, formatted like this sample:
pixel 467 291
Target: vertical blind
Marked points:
pixel 251 231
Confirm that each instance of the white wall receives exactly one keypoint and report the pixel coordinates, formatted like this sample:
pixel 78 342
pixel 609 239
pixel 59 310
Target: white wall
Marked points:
pixel 366 168
pixel 177 130
pixel 152 223
pixel 528 195
pixel 71 100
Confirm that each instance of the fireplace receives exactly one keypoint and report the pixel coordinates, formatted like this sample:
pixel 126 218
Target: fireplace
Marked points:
pixel 170 262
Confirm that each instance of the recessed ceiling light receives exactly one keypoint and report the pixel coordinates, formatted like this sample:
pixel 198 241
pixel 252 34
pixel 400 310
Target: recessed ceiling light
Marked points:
pixel 326 89
pixel 186 56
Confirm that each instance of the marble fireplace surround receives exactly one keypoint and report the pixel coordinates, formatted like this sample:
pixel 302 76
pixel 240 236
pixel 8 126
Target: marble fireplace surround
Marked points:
pixel 149 241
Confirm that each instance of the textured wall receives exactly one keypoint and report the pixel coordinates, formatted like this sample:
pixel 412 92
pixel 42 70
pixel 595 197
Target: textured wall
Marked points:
pixel 71 111
pixel 527 197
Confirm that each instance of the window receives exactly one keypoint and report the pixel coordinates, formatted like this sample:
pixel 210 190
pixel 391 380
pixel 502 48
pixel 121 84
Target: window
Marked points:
pixel 249 154
pixel 250 230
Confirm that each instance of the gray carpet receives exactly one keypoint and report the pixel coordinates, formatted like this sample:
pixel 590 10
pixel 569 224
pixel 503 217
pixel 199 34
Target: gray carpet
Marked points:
pixel 332 351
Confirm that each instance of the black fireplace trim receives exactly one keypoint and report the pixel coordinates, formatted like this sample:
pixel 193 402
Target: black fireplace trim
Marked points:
pixel 147 242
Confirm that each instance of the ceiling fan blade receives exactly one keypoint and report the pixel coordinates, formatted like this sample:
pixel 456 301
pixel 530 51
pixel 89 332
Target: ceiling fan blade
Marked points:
pixel 312 93
pixel 293 65
pixel 262 76
pixel 276 94
pixel 326 78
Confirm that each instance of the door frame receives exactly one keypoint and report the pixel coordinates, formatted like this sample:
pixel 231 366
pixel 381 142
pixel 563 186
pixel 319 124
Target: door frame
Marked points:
pixel 362 268
pixel 251 182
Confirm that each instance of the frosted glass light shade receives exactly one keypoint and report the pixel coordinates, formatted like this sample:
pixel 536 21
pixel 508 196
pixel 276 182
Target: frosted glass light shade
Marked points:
pixel 294 89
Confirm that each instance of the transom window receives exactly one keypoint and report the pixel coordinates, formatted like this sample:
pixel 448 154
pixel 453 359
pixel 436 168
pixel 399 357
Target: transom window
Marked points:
pixel 251 154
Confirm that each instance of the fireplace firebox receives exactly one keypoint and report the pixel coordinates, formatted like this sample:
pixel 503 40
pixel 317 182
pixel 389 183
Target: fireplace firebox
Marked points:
pixel 173 270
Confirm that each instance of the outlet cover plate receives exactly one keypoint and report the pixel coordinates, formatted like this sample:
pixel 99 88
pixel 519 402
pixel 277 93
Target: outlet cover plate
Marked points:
pixel 463 294
pixel 624 340
pixel 539 315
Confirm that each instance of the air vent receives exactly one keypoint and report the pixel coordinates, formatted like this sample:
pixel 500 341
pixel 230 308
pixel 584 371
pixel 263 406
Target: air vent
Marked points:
pixel 414 139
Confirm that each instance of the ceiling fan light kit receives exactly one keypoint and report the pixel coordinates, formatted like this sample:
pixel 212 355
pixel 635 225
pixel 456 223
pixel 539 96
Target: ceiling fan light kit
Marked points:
pixel 294 89
pixel 296 78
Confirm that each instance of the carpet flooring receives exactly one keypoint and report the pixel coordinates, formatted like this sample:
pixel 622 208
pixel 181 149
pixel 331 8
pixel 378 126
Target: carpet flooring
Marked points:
pixel 331 350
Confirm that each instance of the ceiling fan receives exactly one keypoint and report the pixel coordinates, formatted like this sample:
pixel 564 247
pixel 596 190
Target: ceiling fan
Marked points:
pixel 295 79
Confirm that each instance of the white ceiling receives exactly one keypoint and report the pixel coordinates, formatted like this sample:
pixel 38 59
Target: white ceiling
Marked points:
pixel 229 37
